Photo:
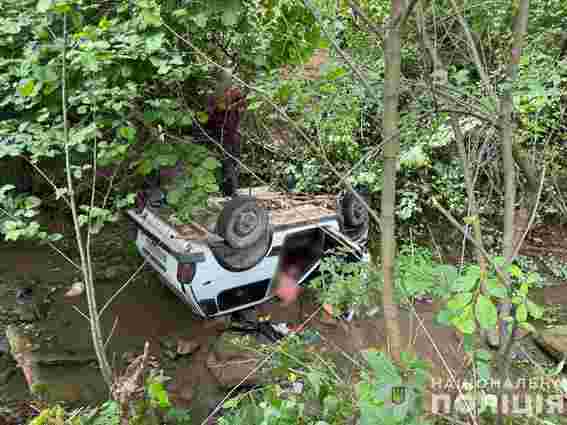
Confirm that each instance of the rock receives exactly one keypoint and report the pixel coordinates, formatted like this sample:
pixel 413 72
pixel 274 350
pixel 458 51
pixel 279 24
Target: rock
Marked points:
pixel 24 295
pixel 234 357
pixel 4 345
pixel 76 289
pixel 55 374
pixel 553 341
pixel 492 338
pixel 185 346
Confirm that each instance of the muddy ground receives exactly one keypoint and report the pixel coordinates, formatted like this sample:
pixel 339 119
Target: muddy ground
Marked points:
pixel 147 311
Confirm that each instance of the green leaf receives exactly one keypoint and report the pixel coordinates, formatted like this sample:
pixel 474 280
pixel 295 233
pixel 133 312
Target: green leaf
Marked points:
pixel 154 42
pixel 483 355
pixel 466 283
pixel 499 261
pixel 465 322
pixel 4 189
pixel 230 403
pixel 521 313
pixel 11 27
pixel 230 17
pixel 201 20
pixel 527 326
pixel 486 312
pixel 174 197
pixel 202 117
pixel 32 202
pixel 459 301
pixel 167 160
pixel 535 310
pixel 210 163
pixel 129 133
pixel 496 289
pixel 158 394
pixel 337 73
pixel 44 5
pixel 54 237
pixel 524 289
pixel 444 317
pixel 515 271
pixel 212 187
pixel 26 88
pixel 383 367
pixel 151 19
pixel 315 380
pixel 331 405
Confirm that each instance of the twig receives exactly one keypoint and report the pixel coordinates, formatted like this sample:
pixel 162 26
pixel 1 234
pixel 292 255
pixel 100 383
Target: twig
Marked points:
pixel 479 246
pixel 111 332
pixel 533 215
pixel 119 291
pixel 81 313
pixel 46 178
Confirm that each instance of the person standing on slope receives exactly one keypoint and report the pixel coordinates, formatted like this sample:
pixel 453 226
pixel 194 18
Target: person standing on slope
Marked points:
pixel 225 110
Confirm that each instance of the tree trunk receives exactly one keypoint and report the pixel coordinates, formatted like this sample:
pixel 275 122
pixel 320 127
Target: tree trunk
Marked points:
pixel 391 120
pixel 506 110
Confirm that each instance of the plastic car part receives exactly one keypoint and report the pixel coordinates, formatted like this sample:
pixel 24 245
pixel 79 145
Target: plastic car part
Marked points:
pixel 242 222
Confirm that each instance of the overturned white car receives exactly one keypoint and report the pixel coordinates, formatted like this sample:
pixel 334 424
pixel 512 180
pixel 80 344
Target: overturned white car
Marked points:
pixel 227 259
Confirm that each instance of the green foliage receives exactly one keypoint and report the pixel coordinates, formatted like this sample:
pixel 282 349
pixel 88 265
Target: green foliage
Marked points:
pixel 128 75
pixel 313 392
pixel 468 306
pixel 157 394
pixel 191 189
pixel 52 416
pixel 388 395
pixel 108 413
pixel 17 214
pixel 348 285
pixel 419 275
pixel 357 286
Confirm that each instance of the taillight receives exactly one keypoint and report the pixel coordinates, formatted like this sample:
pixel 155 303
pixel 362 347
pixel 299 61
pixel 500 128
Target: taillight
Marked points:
pixel 140 201
pixel 185 272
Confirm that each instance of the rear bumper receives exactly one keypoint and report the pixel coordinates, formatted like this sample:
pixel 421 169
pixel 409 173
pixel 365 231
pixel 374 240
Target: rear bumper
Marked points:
pixel 173 248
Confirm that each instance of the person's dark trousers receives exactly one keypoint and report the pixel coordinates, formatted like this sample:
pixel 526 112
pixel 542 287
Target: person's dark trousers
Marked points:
pixel 231 169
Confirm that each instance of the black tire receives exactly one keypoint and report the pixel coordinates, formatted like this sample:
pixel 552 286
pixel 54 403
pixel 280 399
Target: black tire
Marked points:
pixel 242 222
pixel 354 211
pixel 239 260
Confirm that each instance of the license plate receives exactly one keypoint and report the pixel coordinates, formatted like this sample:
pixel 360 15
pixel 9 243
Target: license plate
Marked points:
pixel 155 251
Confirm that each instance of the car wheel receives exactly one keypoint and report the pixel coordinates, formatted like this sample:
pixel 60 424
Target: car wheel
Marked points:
pixel 354 211
pixel 239 260
pixel 242 222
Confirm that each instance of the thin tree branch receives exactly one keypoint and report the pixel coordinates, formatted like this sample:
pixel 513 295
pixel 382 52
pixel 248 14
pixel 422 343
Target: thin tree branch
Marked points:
pixel 119 291
pixel 91 296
